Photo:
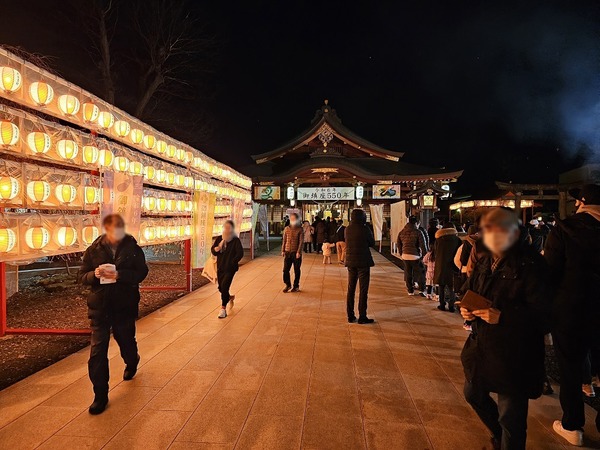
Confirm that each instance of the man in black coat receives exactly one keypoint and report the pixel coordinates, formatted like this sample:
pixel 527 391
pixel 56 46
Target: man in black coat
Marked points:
pixel 359 261
pixel 446 245
pixel 573 254
pixel 113 266
pixel 505 351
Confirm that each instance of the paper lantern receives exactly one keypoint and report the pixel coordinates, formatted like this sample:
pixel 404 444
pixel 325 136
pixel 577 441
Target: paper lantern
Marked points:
pixel 197 185
pixel 170 205
pixel 90 154
pixel 197 162
pixel 37 238
pixel 38 190
pixel 149 142
pixel 89 234
pixel 105 120
pixel 41 93
pixel 189 157
pixel 10 79
pixel 188 182
pixel 161 147
pixel 161 232
pixel 65 236
pixel 9 133
pixel 170 178
pixel 161 204
pixel 150 203
pixel 9 188
pixel 188 230
pixel 39 142
pixel 68 104
pixel 91 195
pixel 149 233
pixel 136 136
pixel 121 164
pixel 149 172
pixel 180 180
pixel 65 193
pixel 161 175
pixel 180 230
pixel 180 154
pixel 180 205
pixel 8 240
pixel 106 157
pixel 189 206
pixel 172 232
pixel 90 112
pixel 171 151
pixel 67 149
pixel 121 128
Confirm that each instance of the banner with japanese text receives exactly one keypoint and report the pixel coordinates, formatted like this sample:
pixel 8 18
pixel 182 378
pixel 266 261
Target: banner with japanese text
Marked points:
pixel 237 215
pixel 398 219
pixel 203 220
pixel 325 193
pixel 122 194
pixel 377 220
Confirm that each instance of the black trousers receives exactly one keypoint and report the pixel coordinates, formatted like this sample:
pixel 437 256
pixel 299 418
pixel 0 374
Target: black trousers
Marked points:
pixel 362 275
pixel 507 419
pixel 442 295
pixel 225 279
pixel 123 329
pixel 413 272
pixel 289 261
pixel 307 247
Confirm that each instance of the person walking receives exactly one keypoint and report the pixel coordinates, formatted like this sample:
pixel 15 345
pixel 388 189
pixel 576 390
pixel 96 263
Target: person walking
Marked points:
pixel 331 229
pixel 447 243
pixel 229 252
pixel 429 261
pixel 412 247
pixel 113 266
pixel 340 241
pixel 308 231
pixel 327 247
pixel 321 233
pixel 291 250
pixel 573 253
pixel 358 261
pixel 505 351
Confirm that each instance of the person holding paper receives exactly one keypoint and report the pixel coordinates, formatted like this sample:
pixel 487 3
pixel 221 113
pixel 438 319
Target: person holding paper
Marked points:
pixel 505 351
pixel 113 266
pixel 229 252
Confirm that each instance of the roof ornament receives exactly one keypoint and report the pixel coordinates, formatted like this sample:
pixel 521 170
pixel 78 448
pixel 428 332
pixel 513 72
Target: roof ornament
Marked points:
pixel 325 134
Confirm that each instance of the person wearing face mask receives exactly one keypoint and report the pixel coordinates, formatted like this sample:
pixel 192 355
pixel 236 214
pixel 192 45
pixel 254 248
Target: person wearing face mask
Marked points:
pixel 113 267
pixel 291 250
pixel 573 254
pixel 505 351
pixel 229 252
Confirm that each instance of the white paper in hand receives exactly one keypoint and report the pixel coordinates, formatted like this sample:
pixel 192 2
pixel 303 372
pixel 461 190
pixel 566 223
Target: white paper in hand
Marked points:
pixel 108 268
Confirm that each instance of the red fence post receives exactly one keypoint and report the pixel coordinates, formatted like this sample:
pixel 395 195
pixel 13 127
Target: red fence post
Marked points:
pixel 2 299
pixel 188 264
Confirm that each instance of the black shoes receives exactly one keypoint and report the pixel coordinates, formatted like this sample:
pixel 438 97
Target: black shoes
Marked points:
pixel 365 320
pixel 451 309
pixel 99 404
pixel 130 372
pixel 441 307
pixel 286 289
pixel 351 319
pixel 295 289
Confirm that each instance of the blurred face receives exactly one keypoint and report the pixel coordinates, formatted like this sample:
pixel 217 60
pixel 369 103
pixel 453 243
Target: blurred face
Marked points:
pixel 115 230
pixel 227 229
pixel 294 219
pixel 499 239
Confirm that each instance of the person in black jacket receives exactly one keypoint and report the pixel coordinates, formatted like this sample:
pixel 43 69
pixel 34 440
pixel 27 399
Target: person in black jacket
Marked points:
pixel 112 302
pixel 505 351
pixel 229 252
pixel 359 261
pixel 446 244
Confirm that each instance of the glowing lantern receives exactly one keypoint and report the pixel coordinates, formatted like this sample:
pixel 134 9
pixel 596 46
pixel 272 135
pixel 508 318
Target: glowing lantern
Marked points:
pixel 91 195
pixel 161 232
pixel 65 193
pixel 90 112
pixel 170 178
pixel 106 120
pixel 38 142
pixel 170 205
pixel 150 203
pixel 189 157
pixel 188 230
pixel 8 240
pixel 89 234
pixel 180 231
pixel 41 93
pixel 136 136
pixel 149 142
pixel 65 236
pixel 161 147
pixel 189 206
pixel 161 204
pixel 171 151
pixel 9 133
pixel 37 238
pixel 180 205
pixel 122 128
pixel 149 172
pixel 90 154
pixel 68 104
pixel 197 185
pixel 179 180
pixel 136 168
pixel 180 154
pixel 106 157
pixel 10 79
pixel 161 175
pixel 38 190
pixel 197 162
pixel 121 164
pixel 188 182
pixel 172 232
pixel 9 188
pixel 149 233
pixel 67 149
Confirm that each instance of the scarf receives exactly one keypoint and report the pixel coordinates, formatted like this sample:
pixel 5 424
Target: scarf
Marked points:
pixel 592 210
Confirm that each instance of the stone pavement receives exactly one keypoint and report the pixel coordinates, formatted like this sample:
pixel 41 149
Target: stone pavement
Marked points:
pixel 283 371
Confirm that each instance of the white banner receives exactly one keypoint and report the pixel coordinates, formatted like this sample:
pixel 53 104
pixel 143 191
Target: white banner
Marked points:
pixel 377 220
pixel 326 193
pixel 122 194
pixel 399 219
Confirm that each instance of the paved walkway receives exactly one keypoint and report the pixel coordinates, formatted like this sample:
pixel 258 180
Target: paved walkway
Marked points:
pixel 283 371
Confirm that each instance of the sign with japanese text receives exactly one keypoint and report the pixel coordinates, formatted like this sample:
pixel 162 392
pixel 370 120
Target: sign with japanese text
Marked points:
pixel 329 193
pixel 386 191
pixel 122 194
pixel 267 193
pixel 203 220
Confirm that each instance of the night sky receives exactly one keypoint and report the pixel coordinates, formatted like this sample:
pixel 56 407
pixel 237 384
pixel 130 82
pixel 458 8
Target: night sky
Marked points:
pixel 505 90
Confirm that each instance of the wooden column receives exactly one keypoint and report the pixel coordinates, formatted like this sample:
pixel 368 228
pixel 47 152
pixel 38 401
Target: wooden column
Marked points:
pixel 562 204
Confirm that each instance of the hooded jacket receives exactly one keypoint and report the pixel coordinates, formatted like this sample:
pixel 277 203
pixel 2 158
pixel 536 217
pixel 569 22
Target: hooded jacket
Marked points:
pixel 359 239
pixel 411 241
pixel 447 243
pixel 122 297
pixel 229 257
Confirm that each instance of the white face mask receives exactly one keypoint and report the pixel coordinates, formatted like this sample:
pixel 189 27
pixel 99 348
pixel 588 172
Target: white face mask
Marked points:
pixel 116 234
pixel 498 242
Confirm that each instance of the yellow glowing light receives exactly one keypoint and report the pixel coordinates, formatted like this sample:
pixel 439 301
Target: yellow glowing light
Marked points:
pixel 170 205
pixel 149 233
pixel 189 206
pixel 180 180
pixel 161 147
pixel 91 195
pixel 89 234
pixel 161 231
pixel 197 162
pixel 90 112
pixel 136 168
pixel 171 151
pixel 180 154
pixel 37 238
pixel 172 232
pixel 188 182
pixel 121 164
pixel 189 157
pixel 39 142
pixel 9 133
pixel 38 190
pixel 68 104
pixel 149 142
pixel 188 230
pixel 136 136
pixel 161 175
pixel 9 188
pixel 106 157
pixel 10 79
pixel 90 154
pixel 65 236
pixel 180 205
pixel 8 240
pixel 67 149
pixel 161 204
pixel 122 128
pixel 65 193
pixel 149 173
pixel 170 178
pixel 41 93
pixel 150 203
pixel 105 120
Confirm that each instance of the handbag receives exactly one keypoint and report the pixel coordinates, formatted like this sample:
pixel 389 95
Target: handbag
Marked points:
pixel 210 269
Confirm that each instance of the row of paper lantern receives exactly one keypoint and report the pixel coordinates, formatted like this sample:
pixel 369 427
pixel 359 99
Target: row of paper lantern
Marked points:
pixel 41 94
pixel 153 231
pixel 247 212
pixel 223 210
pixel 167 203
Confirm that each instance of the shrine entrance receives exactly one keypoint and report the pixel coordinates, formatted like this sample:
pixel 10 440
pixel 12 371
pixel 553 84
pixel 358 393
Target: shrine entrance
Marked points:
pixel 335 210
